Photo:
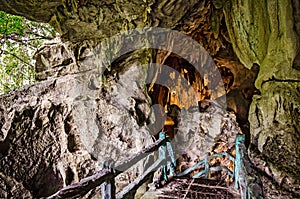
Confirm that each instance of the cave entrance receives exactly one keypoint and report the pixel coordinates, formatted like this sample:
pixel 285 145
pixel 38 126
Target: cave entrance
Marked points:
pixel 182 87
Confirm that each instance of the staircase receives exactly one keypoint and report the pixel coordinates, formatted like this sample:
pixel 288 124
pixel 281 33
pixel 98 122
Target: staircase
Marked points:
pixel 175 185
pixel 189 188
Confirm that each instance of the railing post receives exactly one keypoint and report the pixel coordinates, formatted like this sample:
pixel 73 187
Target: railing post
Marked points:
pixel 206 166
pixel 162 155
pixel 237 162
pixel 172 163
pixel 108 189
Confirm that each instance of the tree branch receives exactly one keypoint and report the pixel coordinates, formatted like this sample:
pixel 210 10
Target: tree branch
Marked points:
pixel 20 59
pixel 29 39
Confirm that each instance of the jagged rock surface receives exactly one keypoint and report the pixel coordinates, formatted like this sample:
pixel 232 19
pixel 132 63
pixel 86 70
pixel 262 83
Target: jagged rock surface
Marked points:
pixel 59 131
pixel 277 141
pixel 95 20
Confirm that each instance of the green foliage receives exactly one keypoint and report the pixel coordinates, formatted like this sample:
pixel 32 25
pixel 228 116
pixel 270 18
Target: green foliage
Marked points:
pixel 19 38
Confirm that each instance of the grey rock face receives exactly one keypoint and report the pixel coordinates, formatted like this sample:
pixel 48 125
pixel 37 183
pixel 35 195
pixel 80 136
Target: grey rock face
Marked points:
pixel 198 132
pixel 58 131
pixel 39 150
pixel 54 59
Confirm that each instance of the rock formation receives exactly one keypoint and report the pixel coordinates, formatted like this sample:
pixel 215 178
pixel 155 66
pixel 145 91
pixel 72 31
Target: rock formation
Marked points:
pixel 58 131
pixel 267 34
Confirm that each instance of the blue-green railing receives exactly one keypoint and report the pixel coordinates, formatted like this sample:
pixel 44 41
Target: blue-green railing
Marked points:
pixel 207 169
pixel 167 160
pixel 105 177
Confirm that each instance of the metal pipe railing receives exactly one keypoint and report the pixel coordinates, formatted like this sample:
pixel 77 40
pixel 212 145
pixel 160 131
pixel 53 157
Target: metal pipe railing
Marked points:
pixel 106 176
pixel 166 158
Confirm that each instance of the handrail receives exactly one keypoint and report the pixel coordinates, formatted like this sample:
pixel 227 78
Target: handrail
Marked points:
pixel 127 163
pixel 106 176
pixel 83 186
pixel 246 178
pixel 207 168
pixel 139 180
pixel 248 187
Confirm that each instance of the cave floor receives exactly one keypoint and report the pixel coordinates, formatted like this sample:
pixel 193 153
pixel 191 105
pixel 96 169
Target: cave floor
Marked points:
pixel 189 188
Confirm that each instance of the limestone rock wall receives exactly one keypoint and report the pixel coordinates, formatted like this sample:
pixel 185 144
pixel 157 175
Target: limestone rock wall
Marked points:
pixel 39 148
pixel 59 130
pixel 259 31
pixel 267 33
pixel 275 131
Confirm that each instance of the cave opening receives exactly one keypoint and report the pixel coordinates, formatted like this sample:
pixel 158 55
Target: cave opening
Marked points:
pixel 183 87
